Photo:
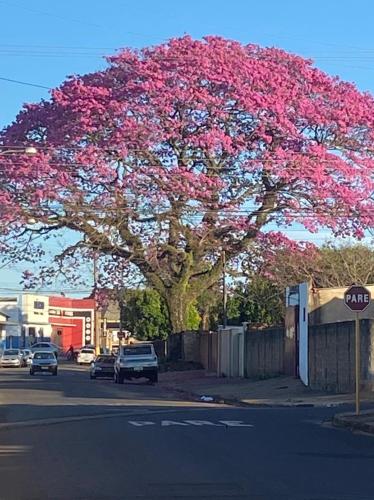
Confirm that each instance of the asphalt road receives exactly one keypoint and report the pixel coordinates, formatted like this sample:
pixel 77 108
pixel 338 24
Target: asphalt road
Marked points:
pixel 68 437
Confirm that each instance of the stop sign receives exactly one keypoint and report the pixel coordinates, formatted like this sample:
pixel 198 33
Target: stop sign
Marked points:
pixel 357 298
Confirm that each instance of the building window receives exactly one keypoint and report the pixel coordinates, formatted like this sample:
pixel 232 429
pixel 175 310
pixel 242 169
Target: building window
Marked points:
pixel 38 304
pixel 32 331
pixel 55 312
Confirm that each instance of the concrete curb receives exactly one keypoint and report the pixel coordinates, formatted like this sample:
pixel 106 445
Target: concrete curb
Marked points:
pixel 350 421
pixel 217 399
pixel 239 403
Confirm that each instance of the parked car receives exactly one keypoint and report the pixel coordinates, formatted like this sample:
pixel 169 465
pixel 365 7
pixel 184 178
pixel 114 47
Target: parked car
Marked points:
pixel 11 357
pixel 103 366
pixel 43 361
pixel 86 356
pixel 26 356
pixel 136 361
pixel 45 346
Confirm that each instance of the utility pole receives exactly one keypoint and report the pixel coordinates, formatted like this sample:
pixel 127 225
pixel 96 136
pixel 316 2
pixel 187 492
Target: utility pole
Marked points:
pixel 96 315
pixel 224 290
pixel 120 305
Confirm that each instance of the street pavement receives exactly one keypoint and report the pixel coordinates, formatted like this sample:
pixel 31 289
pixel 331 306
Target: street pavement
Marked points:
pixel 68 437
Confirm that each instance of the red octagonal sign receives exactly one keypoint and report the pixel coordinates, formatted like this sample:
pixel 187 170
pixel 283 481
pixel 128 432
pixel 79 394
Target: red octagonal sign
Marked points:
pixel 357 298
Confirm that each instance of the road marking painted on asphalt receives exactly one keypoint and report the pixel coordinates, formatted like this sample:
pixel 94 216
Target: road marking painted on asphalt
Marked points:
pixel 140 423
pixel 235 423
pixel 193 423
pixel 166 423
pixel 202 422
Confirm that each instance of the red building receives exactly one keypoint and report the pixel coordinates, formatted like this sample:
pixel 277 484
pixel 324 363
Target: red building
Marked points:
pixel 72 321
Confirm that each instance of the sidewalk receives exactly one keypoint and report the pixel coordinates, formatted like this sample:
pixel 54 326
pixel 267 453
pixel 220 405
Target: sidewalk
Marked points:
pixel 279 391
pixel 363 422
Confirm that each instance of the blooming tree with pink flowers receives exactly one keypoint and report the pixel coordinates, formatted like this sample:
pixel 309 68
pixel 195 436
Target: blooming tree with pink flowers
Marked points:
pixel 177 152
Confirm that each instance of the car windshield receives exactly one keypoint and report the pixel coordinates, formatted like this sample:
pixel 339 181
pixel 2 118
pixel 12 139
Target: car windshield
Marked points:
pixel 43 355
pixel 105 359
pixel 11 352
pixel 137 351
pixel 87 351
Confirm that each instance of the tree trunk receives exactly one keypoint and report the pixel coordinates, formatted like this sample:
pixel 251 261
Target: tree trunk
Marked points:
pixel 177 302
pixel 205 319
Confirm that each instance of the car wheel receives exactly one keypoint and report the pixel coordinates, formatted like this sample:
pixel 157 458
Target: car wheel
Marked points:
pixel 31 372
pixel 92 377
pixel 154 378
pixel 54 373
pixel 121 379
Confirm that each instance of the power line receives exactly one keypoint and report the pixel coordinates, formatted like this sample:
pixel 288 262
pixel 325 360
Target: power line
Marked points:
pixel 61 51
pixel 183 59
pixel 33 290
pixel 24 83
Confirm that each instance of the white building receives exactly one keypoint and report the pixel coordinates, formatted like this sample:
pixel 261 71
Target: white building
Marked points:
pixel 27 319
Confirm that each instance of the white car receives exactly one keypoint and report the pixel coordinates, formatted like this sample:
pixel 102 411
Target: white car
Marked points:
pixel 86 356
pixel 11 357
pixel 45 346
pixel 136 361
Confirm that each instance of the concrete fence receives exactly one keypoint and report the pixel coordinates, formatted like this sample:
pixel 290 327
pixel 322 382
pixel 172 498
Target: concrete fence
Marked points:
pixel 332 356
pixel 264 353
pixel 232 352
pixel 191 346
pixel 208 347
pixel 251 353
pixel 245 352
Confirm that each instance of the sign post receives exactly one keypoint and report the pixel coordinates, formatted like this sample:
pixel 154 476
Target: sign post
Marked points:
pixel 357 361
pixel 357 298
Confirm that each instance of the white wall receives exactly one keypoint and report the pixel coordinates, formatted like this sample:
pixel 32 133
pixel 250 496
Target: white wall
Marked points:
pixel 10 307
pixel 231 353
pixel 34 308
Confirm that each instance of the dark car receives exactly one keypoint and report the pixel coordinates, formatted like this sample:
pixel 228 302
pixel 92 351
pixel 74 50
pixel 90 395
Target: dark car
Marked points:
pixel 103 366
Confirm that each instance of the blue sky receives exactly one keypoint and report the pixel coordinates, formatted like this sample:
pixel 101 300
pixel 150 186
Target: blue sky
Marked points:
pixel 43 42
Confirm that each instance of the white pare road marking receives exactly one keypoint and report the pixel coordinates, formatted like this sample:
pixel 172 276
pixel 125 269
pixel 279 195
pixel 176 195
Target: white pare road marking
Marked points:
pixel 140 423
pixel 191 423
pixel 235 423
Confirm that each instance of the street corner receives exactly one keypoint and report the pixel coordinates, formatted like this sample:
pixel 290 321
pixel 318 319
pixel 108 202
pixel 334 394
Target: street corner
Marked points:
pixel 363 422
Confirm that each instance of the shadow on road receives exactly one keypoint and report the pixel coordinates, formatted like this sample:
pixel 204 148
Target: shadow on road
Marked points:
pixel 72 393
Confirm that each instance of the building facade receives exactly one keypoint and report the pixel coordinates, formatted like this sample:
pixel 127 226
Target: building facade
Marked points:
pixel 72 321
pixel 34 314
pixel 31 318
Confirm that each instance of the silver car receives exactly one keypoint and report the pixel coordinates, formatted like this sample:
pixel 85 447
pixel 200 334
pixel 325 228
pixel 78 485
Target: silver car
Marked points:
pixel 11 357
pixel 43 361
pixel 26 356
